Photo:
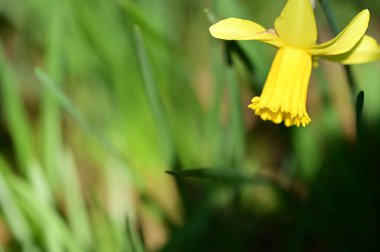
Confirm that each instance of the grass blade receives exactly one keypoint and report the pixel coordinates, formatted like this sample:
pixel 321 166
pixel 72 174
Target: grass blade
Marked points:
pixel 76 210
pixel 153 96
pixel 16 220
pixel 15 114
pixel 88 127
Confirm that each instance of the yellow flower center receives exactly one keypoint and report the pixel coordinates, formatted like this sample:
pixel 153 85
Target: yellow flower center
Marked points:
pixel 284 95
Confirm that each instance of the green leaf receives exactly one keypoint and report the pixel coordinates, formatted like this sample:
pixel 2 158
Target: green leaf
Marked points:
pixel 153 96
pixel 217 175
pixel 359 107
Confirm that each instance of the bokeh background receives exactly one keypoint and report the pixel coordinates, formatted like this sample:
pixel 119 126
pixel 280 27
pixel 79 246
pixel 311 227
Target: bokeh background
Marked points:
pixel 124 127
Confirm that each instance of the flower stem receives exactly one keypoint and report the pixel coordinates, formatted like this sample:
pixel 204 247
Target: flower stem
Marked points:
pixel 357 99
pixel 335 29
pixel 325 4
pixel 327 9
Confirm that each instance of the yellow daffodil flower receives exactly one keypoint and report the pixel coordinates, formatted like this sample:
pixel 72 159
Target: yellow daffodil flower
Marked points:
pixel 283 98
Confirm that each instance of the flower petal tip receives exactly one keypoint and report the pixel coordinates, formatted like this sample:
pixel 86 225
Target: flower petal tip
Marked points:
pixel 366 14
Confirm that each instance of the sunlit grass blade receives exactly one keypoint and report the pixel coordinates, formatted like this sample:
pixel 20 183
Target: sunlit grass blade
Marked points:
pixel 15 114
pixel 88 127
pixel 105 233
pixel 28 203
pixel 120 205
pixel 61 98
pixel 139 18
pixel 66 103
pixel 17 222
pixel 153 96
pixel 115 239
pixel 59 237
pixel 50 113
pixel 134 237
pixel 21 133
pixel 75 201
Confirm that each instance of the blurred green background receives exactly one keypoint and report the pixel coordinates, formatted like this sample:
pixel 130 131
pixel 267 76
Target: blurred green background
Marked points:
pixel 125 127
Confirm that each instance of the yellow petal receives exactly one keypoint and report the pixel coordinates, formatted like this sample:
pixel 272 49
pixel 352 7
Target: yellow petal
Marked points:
pixel 296 24
pixel 366 50
pixel 345 40
pixel 241 29
pixel 283 98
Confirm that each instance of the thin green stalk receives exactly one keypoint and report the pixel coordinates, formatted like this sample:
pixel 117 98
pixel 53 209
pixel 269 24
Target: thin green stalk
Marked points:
pixel 50 112
pixel 214 125
pixel 357 99
pixel 327 9
pixel 237 125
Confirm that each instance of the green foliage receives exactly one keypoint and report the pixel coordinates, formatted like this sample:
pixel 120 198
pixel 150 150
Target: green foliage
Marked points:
pixel 125 127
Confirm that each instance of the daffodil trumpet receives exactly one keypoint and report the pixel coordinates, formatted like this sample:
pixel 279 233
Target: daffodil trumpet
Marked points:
pixel 283 98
